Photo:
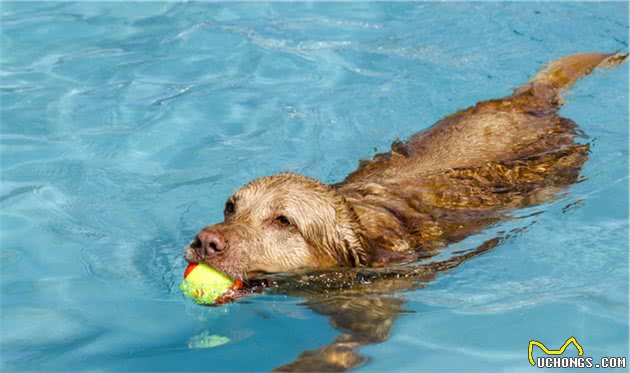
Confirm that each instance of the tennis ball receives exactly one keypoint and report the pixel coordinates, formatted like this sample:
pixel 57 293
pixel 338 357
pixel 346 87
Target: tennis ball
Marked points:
pixel 204 284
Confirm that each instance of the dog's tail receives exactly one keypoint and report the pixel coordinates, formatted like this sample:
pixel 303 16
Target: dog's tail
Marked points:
pixel 561 74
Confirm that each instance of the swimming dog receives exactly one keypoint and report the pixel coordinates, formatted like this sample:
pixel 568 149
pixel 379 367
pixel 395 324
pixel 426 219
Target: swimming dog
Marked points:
pixel 438 187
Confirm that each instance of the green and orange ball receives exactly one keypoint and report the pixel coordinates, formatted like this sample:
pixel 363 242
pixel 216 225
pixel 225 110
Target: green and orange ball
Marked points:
pixel 206 285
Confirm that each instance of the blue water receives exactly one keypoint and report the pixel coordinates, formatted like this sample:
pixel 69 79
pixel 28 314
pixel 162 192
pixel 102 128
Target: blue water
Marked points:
pixel 124 127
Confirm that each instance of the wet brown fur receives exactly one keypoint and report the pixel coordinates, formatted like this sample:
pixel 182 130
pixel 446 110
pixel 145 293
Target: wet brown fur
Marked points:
pixel 440 186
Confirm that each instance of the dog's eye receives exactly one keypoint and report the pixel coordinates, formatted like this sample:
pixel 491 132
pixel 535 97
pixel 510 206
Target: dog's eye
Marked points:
pixel 283 220
pixel 229 207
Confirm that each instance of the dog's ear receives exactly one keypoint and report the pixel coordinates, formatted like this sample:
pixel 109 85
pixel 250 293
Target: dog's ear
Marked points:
pixel 336 234
pixel 351 243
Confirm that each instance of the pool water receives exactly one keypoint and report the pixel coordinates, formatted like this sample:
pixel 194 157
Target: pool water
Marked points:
pixel 125 126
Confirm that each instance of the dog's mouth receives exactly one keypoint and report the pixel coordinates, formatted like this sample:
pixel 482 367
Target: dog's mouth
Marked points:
pixel 254 275
pixel 192 257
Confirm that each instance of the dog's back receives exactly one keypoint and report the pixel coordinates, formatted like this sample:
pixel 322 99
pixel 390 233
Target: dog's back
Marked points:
pixel 464 172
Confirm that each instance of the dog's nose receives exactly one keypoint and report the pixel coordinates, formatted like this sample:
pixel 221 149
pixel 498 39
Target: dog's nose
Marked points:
pixel 208 242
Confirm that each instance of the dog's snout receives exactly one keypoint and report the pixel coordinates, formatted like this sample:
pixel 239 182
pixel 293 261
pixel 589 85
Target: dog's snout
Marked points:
pixel 208 242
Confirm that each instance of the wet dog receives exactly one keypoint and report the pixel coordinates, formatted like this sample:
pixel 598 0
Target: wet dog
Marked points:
pixel 438 187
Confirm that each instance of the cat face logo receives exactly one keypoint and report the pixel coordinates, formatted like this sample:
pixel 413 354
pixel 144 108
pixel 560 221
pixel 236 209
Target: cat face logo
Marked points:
pixel 547 351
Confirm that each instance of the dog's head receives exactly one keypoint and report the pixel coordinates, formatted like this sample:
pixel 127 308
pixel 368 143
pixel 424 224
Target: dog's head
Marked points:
pixel 281 223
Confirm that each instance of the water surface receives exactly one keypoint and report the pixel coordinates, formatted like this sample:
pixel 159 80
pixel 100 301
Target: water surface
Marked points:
pixel 125 126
